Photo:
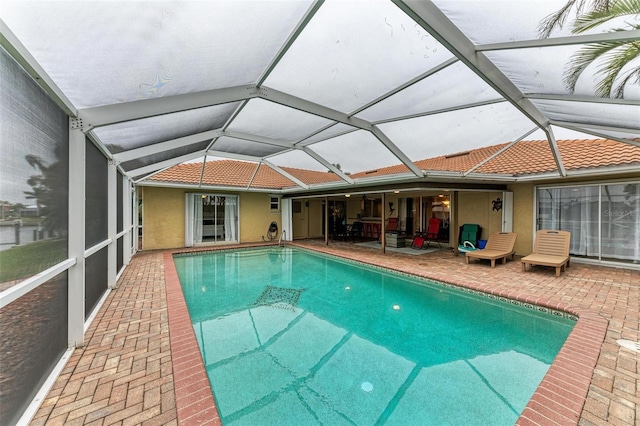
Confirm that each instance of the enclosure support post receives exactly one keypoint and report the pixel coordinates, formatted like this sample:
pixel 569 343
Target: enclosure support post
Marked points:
pixel 456 225
pixel 382 227
pixel 76 274
pixel 326 221
pixel 127 220
pixel 112 224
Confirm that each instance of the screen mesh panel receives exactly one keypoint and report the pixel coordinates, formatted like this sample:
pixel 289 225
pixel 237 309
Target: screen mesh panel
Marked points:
pixel 260 117
pixel 32 340
pixel 297 159
pixel 502 21
pixel 96 202
pixel 542 71
pixel 444 89
pixel 96 279
pixel 456 131
pixel 138 133
pixel 241 146
pixel 120 255
pixel 34 187
pixel 583 113
pixel 151 49
pixel 164 155
pixel 345 51
pixel 589 132
pixel 334 130
pixel 347 151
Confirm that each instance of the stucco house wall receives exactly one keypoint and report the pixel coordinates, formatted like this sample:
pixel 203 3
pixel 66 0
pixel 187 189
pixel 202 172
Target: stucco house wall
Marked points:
pixel 476 207
pixel 163 216
pixel 256 216
pixel 523 214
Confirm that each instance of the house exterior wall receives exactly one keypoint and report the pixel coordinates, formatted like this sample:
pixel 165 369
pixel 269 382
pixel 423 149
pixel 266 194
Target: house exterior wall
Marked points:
pixel 315 218
pixel 163 216
pixel 476 207
pixel 256 216
pixel 523 214
pixel 353 208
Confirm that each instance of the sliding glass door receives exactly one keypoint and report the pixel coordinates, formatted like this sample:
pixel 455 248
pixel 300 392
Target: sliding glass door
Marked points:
pixel 604 220
pixel 211 218
pixel 620 225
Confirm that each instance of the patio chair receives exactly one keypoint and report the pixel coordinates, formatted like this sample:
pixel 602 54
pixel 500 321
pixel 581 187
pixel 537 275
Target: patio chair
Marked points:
pixel 500 245
pixel 418 241
pixel 550 249
pixel 433 231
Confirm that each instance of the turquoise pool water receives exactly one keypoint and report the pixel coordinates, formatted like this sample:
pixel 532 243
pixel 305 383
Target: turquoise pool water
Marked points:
pixel 290 337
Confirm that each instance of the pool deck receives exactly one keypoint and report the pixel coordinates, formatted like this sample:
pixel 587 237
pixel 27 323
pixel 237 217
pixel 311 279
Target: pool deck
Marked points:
pixel 141 363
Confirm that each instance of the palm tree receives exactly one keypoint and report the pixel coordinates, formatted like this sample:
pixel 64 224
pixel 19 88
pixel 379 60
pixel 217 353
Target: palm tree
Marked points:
pixel 620 59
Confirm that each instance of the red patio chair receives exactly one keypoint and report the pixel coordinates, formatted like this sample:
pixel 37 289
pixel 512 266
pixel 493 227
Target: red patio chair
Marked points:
pixel 433 232
pixel 418 241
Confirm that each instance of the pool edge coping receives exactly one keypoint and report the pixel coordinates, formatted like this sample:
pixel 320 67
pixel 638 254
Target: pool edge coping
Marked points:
pixel 558 399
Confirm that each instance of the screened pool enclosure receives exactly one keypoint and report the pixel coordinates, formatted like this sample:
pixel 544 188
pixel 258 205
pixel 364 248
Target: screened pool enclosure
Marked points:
pixel 96 97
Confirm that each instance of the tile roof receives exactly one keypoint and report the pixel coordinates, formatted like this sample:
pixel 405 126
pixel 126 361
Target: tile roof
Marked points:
pixel 312 177
pixel 522 158
pixel 533 157
pixel 238 174
pixel 457 162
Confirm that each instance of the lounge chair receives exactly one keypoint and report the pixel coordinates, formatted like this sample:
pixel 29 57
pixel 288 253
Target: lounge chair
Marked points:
pixel 550 249
pixel 433 231
pixel 500 245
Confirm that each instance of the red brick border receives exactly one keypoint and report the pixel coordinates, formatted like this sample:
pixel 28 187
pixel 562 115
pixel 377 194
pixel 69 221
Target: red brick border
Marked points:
pixel 194 400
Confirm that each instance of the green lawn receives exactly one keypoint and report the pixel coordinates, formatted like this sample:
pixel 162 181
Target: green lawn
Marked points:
pixel 30 259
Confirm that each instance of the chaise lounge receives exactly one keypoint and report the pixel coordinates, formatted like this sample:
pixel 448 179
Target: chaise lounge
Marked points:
pixel 500 245
pixel 551 249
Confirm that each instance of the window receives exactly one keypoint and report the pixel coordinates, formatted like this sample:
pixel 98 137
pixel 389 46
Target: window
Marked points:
pixel 275 204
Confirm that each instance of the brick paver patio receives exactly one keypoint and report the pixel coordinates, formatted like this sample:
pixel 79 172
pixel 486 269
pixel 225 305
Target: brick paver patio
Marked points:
pixel 140 364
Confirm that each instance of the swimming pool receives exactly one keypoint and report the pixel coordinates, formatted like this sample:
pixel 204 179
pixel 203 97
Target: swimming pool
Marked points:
pixel 292 337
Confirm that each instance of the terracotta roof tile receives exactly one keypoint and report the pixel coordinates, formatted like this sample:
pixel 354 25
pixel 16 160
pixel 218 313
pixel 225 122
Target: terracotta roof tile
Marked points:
pixel 525 157
pixel 461 161
pixel 382 171
pixel 312 177
pixel 457 162
pixel 225 173
pixel 533 157
pixel 238 174
pixel 182 173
